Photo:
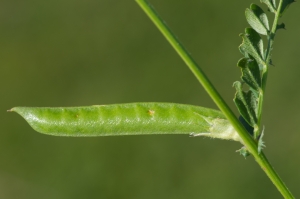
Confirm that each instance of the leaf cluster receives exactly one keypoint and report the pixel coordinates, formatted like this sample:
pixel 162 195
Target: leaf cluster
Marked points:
pixel 254 64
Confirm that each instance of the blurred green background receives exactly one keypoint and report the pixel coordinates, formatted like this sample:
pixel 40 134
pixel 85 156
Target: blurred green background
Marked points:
pixel 75 53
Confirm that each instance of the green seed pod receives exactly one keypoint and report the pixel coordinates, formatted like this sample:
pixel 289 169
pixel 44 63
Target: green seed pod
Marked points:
pixel 129 119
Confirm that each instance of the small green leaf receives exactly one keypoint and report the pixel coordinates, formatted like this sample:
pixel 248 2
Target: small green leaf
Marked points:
pixel 253 45
pixel 246 104
pixel 250 73
pixel 285 5
pixel 280 26
pixel 129 119
pixel 271 5
pixel 240 102
pixel 257 19
pixel 249 128
pixel 244 152
pixel 274 3
pixel 243 52
pixel 271 62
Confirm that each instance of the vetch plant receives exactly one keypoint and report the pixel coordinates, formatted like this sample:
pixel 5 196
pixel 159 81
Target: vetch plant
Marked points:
pixel 171 118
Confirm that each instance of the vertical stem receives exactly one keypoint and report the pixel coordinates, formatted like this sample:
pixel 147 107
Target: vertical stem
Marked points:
pixel 271 37
pixel 210 89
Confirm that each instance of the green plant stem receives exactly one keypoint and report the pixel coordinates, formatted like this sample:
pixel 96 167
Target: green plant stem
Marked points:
pixel 271 37
pixel 247 139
